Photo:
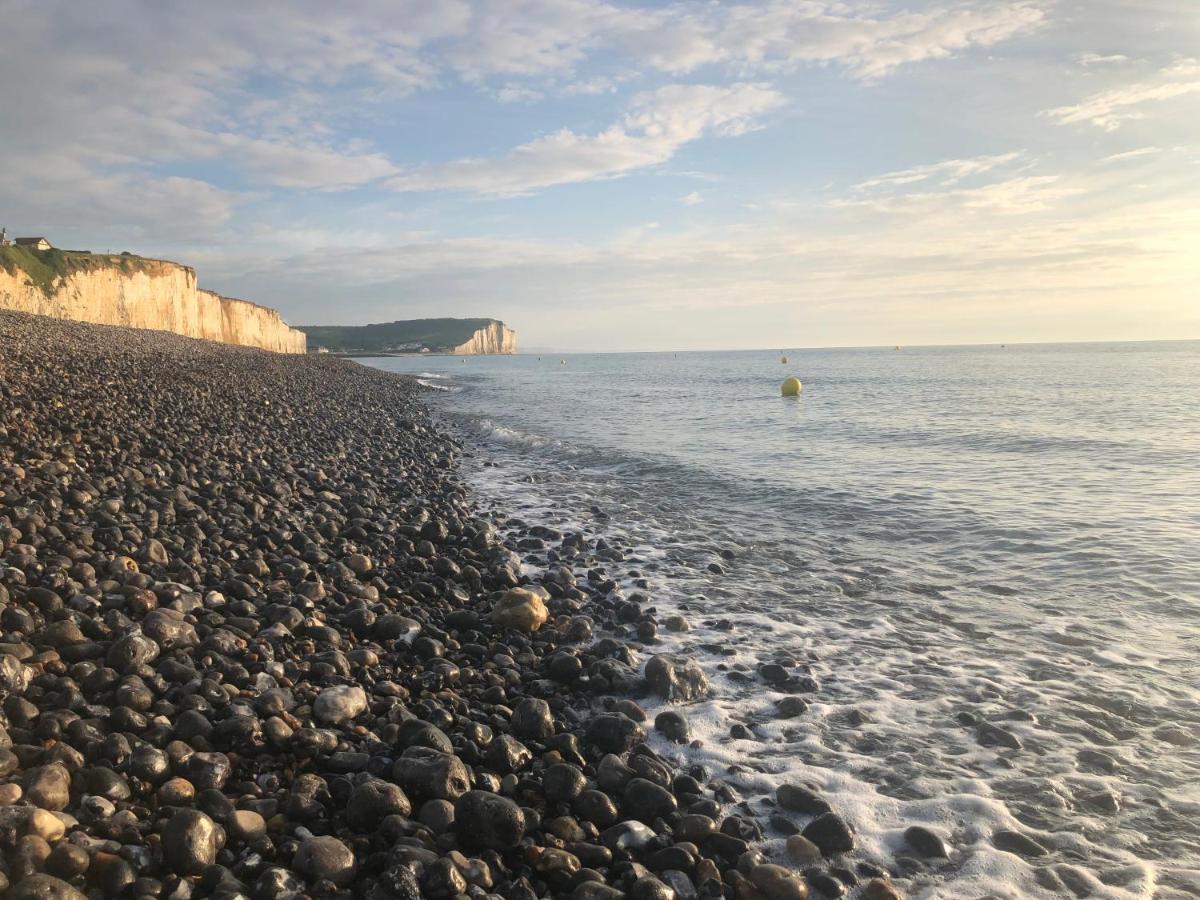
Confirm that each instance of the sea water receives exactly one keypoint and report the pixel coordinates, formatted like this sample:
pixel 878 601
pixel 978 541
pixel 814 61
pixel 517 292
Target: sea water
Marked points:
pixel 946 536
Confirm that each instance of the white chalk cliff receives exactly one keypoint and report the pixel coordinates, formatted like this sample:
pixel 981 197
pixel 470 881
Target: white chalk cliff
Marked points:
pixel 150 294
pixel 495 337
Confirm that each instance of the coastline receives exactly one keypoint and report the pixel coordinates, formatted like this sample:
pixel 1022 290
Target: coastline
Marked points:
pixel 257 640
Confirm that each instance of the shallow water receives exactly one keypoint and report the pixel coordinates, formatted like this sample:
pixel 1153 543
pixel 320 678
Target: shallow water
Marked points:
pixel 1011 533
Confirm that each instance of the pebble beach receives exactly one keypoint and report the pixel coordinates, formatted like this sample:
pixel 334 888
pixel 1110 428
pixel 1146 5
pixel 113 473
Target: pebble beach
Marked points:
pixel 256 641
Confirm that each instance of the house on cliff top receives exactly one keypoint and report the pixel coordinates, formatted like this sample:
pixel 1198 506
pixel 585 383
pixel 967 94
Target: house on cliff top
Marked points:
pixel 33 243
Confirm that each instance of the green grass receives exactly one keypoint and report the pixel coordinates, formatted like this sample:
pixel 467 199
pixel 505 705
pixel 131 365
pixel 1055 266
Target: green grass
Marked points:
pixel 436 334
pixel 44 268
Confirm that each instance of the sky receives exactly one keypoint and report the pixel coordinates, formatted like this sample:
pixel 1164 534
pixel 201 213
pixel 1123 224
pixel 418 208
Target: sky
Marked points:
pixel 608 175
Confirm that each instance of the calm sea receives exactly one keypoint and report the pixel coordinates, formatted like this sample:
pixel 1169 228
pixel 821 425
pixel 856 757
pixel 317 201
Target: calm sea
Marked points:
pixel 948 536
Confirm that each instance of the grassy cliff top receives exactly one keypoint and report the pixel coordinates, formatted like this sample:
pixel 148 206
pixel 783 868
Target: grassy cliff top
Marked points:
pixel 44 268
pixel 411 334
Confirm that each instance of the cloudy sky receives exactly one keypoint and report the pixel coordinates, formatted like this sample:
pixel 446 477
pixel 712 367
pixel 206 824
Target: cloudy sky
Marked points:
pixel 619 175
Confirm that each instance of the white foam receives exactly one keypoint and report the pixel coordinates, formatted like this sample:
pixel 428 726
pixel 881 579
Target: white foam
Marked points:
pixel 940 776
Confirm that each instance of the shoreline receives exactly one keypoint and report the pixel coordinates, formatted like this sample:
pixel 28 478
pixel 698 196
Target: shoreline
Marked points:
pixel 256 640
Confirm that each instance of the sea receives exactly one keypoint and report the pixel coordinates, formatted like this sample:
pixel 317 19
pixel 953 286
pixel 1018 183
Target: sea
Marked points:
pixel 954 540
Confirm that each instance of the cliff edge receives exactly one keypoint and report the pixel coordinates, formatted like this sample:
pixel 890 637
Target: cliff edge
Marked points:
pixel 457 336
pixel 136 293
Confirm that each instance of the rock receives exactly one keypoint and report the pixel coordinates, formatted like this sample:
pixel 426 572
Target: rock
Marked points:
pixel 790 707
pixel 802 849
pixel 925 842
pixel 596 890
pixel 563 782
pixel 429 774
pixel 532 719
pixel 46 825
pixel 245 825
pixel 169 629
pixel 190 842
pixel 340 704
pixel 176 792
pixel 43 887
pixel 881 889
pixel 990 735
pixel 645 801
pixel 830 833
pixel 801 799
pixel 14 675
pixel 675 678
pixel 1020 844
pixel 627 836
pixel 373 801
pixel 521 610
pixel 778 883
pixel 673 725
pixel 207 770
pixel 49 787
pixel 614 733
pixel 650 888
pixel 486 820
pixel 67 861
pixel 325 858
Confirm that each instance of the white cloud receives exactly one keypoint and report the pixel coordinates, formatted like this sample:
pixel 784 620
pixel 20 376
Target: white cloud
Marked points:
pixel 785 34
pixel 947 171
pixel 1110 108
pixel 295 166
pixel 1132 154
pixel 1011 196
pixel 692 199
pixel 513 93
pixel 658 124
pixel 1097 59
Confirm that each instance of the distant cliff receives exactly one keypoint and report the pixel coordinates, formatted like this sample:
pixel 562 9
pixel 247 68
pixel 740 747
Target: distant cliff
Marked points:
pixel 136 293
pixel 458 336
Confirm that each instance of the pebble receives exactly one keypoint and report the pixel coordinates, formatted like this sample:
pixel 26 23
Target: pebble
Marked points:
pixel 1020 844
pixel 326 858
pixel 340 704
pixel 674 726
pixel 248 652
pixel 778 883
pixel 830 833
pixel 927 843
pixel 487 820
pixel 190 842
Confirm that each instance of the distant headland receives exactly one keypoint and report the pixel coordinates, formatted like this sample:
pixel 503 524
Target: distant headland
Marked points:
pixel 460 337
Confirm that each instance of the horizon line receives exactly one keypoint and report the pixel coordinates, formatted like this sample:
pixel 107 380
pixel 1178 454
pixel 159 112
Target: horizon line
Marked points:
pixel 799 348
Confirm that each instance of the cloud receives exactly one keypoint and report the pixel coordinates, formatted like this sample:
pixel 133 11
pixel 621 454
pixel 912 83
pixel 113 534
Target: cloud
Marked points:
pixel 1132 154
pixel 657 125
pixel 938 186
pixel 297 166
pixel 1111 108
pixel 513 93
pixel 1011 196
pixel 692 199
pixel 782 35
pixel 1096 59
pixel 951 268
pixel 947 171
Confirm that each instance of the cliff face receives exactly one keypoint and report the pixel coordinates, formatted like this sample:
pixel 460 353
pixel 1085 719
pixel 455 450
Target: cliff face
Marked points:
pixel 495 337
pixel 156 295
pixel 461 336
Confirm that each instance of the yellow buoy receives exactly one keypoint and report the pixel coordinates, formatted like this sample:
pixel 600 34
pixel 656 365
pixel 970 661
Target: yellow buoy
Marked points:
pixel 791 387
pixel 783 359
